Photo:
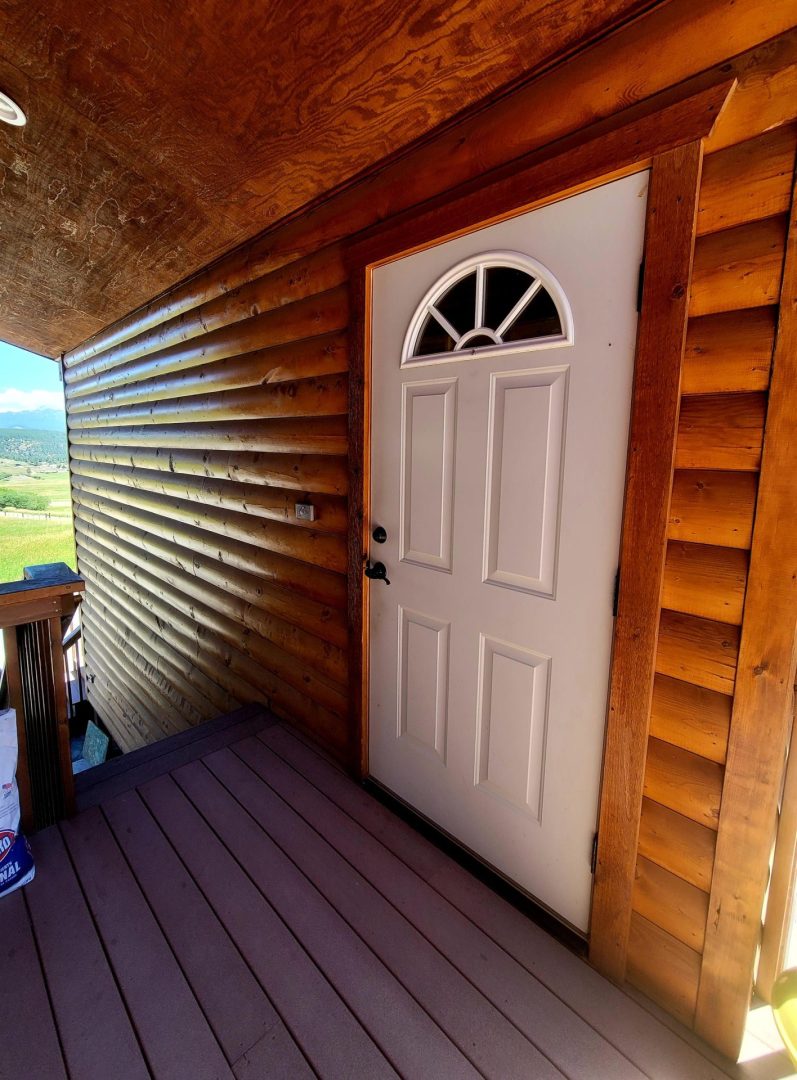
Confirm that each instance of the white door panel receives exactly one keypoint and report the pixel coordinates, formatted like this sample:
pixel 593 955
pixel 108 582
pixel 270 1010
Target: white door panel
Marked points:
pixel 499 476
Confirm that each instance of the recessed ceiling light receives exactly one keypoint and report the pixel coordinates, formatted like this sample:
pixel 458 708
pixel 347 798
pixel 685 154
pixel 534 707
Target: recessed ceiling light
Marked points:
pixel 10 112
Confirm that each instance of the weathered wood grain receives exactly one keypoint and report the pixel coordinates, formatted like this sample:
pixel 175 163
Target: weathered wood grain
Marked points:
pixel 287 604
pixel 121 726
pixel 747 182
pixel 305 545
pixel 257 682
pixel 259 500
pixel 204 692
pixel 261 293
pixel 705 581
pixel 762 707
pixel 303 397
pixel 303 674
pixel 157 667
pixel 298 472
pixel 767 88
pixel 721 431
pixel 773 957
pixel 325 435
pixel 691 717
pixel 700 651
pixel 738 268
pixel 327 659
pixel 671 903
pixel 314 316
pixel 326 354
pixel 730 352
pixel 150 700
pixel 110 596
pixel 312 589
pixel 680 845
pixel 713 507
pixel 664 967
pixel 684 782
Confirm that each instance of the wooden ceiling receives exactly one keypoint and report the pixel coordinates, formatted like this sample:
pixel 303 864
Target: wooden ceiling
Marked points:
pixel 159 136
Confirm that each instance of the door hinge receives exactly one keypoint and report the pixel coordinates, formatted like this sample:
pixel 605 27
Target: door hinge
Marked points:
pixel 593 862
pixel 640 285
pixel 616 593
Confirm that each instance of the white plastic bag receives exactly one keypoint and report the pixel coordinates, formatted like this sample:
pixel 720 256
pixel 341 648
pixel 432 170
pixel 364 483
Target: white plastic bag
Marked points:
pixel 16 860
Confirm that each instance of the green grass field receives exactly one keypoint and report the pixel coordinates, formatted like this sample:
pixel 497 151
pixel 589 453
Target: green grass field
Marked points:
pixel 53 485
pixel 29 543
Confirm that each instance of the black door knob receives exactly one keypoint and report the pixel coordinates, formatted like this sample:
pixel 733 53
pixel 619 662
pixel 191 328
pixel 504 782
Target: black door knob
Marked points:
pixel 379 534
pixel 377 572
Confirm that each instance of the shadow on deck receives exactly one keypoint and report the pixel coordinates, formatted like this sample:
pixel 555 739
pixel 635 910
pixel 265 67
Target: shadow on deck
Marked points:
pixel 229 904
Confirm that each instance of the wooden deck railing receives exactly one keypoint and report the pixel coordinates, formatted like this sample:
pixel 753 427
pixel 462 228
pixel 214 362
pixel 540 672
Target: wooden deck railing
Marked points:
pixel 33 615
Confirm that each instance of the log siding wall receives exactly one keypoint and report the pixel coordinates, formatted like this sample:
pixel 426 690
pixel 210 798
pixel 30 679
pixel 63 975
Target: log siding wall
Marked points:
pixel 189 449
pixel 745 197
pixel 198 422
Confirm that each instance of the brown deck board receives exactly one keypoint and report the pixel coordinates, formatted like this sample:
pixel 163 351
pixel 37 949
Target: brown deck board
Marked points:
pixel 655 1049
pixel 494 1045
pixel 276 1057
pixel 329 1035
pixel 28 1038
pixel 171 1026
pixel 92 1019
pixel 518 998
pixel 238 1011
pixel 236 906
pixel 407 1035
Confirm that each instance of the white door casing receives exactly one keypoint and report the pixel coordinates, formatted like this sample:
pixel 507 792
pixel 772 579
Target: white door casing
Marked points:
pixel 498 474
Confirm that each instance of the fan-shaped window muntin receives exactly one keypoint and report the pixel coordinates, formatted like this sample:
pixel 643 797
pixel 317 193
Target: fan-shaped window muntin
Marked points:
pixel 494 301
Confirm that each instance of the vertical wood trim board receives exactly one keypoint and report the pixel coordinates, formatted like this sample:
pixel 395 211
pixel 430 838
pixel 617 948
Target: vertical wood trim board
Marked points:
pixel 781 892
pixel 669 245
pixel 359 510
pixel 762 704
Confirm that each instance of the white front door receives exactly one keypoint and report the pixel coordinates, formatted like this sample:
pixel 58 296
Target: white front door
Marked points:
pixel 502 365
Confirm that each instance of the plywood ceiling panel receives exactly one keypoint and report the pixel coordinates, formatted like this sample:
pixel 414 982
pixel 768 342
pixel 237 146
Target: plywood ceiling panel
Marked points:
pixel 162 135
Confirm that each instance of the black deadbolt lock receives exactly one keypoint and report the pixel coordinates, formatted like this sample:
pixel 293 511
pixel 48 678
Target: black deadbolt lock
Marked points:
pixel 379 534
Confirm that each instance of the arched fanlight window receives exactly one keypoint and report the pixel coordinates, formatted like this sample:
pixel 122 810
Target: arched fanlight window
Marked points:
pixel 490 301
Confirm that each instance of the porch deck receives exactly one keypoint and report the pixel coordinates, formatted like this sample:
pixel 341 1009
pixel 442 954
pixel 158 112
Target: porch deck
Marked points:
pixel 232 905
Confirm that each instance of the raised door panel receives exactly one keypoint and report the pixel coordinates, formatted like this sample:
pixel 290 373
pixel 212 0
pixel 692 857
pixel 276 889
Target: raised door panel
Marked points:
pixel 423 681
pixel 427 472
pixel 526 443
pixel 512 720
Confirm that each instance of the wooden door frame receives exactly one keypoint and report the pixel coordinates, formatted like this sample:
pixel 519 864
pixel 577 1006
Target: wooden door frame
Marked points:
pixel 664 134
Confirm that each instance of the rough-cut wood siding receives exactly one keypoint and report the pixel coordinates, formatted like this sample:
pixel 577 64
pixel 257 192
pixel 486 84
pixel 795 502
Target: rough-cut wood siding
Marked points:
pixel 745 197
pixel 197 422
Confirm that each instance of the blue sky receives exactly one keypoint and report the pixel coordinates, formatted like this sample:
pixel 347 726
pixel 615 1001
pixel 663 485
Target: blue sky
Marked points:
pixel 28 381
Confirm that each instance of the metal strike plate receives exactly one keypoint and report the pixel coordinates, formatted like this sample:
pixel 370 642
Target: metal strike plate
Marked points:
pixel 305 512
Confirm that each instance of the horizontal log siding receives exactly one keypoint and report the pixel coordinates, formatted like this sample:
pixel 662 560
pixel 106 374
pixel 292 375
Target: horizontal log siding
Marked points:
pixel 745 196
pixel 191 443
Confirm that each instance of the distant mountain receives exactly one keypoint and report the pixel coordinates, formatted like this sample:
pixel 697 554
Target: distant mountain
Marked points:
pixel 38 419
pixel 31 447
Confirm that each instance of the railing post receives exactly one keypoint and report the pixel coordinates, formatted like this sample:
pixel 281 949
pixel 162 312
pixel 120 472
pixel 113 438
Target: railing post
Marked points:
pixel 31 613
